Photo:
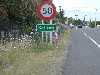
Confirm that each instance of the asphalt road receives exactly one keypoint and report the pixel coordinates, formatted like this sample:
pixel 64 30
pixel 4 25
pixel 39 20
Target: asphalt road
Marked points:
pixel 83 53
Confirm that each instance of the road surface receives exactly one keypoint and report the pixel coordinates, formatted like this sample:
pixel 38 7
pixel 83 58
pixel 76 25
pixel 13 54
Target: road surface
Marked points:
pixel 84 53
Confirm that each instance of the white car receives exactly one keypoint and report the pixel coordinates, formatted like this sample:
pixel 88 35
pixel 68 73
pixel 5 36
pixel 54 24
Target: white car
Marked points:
pixel 71 25
pixel 98 26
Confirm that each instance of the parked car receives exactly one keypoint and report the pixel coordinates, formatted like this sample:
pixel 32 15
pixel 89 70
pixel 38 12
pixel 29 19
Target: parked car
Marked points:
pixel 71 25
pixel 79 26
pixel 98 26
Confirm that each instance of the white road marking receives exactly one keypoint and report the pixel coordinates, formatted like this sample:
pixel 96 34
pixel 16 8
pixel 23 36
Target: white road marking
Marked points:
pixel 98 45
pixel 82 31
pixel 85 35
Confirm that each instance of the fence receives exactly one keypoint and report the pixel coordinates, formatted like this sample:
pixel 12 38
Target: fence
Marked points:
pixel 18 39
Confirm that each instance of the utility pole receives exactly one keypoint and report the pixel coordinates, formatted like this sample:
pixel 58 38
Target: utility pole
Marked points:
pixel 76 16
pixel 95 17
pixel 76 19
pixel 84 20
pixel 67 20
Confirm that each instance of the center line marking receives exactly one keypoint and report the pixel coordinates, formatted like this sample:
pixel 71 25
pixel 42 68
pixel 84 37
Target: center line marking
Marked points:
pixel 98 45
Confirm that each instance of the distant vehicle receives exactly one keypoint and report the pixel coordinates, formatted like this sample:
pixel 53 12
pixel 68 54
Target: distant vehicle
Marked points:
pixel 79 26
pixel 71 25
pixel 98 26
pixel 86 26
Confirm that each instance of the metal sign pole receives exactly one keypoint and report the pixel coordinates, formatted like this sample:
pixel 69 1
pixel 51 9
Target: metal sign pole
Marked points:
pixel 51 33
pixel 46 37
pixel 43 10
pixel 42 32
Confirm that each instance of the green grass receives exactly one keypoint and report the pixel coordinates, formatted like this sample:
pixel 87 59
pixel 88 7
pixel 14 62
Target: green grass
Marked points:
pixel 42 47
pixel 47 46
pixel 31 61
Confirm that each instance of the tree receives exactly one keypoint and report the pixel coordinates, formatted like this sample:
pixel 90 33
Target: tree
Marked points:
pixel 77 22
pixel 98 22
pixel 70 20
pixel 92 24
pixel 21 13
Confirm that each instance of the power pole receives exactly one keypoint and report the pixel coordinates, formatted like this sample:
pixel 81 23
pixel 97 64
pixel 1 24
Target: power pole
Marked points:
pixel 95 21
pixel 95 17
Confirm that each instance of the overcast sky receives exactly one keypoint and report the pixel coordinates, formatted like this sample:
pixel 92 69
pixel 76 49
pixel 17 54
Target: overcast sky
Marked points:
pixel 82 8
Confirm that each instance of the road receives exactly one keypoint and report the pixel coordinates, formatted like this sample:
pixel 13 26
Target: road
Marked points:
pixel 83 53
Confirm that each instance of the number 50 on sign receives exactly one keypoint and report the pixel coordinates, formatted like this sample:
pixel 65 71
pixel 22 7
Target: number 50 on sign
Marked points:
pixel 46 11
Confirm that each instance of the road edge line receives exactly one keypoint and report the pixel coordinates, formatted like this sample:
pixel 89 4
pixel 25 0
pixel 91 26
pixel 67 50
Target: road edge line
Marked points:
pixel 85 34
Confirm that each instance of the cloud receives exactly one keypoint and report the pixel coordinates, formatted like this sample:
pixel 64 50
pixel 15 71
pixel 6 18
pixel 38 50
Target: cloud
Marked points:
pixel 81 7
pixel 86 5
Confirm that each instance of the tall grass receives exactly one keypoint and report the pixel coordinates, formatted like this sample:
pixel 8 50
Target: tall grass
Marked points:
pixel 20 54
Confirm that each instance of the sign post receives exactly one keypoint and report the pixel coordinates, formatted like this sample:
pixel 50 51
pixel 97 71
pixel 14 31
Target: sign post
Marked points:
pixel 51 33
pixel 42 32
pixel 46 12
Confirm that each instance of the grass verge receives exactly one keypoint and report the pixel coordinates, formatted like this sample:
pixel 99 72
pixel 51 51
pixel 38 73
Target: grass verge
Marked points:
pixel 30 61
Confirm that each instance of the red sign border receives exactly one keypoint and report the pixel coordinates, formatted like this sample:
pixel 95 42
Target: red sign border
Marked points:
pixel 39 12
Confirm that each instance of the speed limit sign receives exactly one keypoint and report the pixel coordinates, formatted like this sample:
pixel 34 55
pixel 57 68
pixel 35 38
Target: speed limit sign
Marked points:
pixel 46 11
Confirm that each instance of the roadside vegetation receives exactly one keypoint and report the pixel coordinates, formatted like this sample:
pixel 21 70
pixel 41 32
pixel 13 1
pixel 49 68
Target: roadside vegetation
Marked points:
pixel 22 50
pixel 30 61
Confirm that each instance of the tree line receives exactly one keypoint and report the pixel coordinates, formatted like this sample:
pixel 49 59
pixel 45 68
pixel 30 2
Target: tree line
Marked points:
pixel 82 22
pixel 18 14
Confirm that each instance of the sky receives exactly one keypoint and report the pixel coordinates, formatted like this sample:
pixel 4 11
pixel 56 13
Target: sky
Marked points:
pixel 90 9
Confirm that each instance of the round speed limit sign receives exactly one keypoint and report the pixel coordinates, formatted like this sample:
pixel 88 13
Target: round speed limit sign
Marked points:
pixel 46 11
